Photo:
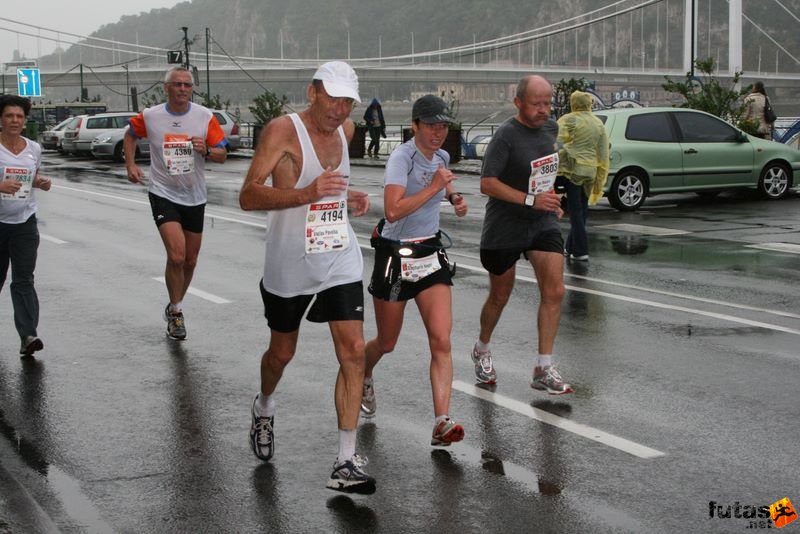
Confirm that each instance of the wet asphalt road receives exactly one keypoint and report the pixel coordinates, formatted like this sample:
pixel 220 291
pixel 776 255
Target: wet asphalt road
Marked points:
pixel 682 349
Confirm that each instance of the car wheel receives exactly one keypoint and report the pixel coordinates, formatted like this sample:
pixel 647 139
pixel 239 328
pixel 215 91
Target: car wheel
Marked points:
pixel 775 181
pixel 119 154
pixel 628 190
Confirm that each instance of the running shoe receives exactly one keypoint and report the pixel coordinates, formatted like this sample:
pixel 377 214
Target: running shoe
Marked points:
pixel 262 435
pixel 368 404
pixel 175 326
pixel 446 432
pixel 548 379
pixel 30 345
pixel 484 366
pixel 349 477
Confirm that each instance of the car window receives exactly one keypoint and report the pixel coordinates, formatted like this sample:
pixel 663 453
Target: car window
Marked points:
pixel 602 118
pixel 649 127
pixel 699 128
pixel 220 118
pixel 120 122
pixel 63 124
pixel 96 123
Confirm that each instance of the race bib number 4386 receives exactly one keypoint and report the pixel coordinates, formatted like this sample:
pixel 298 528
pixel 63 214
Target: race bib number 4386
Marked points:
pixel 178 154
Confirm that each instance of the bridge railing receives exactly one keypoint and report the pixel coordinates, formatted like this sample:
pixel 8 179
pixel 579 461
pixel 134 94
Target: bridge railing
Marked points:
pixel 472 148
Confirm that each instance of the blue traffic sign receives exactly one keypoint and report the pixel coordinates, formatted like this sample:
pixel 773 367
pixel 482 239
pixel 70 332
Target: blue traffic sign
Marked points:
pixel 29 82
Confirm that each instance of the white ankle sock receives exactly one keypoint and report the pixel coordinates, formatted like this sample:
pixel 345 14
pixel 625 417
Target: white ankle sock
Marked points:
pixel 482 347
pixel 544 360
pixel 347 444
pixel 265 406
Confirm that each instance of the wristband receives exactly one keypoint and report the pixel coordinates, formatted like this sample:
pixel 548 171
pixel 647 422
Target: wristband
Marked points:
pixel 450 196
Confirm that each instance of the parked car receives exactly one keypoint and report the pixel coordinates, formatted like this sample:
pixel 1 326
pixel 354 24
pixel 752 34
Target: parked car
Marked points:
pixel 230 127
pixel 476 148
pixel 78 139
pixel 109 145
pixel 675 150
pixel 51 138
pixel 70 134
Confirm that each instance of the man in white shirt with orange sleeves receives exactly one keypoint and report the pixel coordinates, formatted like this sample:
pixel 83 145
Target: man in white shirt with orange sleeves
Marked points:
pixel 182 136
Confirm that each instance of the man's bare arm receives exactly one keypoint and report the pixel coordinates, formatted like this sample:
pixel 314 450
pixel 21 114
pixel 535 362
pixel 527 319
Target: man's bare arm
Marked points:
pixel 275 156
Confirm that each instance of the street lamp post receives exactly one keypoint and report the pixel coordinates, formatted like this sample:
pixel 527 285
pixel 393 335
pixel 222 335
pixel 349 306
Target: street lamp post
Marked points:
pixel 127 86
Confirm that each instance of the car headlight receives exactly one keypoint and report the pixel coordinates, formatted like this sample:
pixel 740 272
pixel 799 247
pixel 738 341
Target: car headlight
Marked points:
pixel 99 140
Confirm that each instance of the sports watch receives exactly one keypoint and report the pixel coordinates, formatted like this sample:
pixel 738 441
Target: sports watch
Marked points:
pixel 529 200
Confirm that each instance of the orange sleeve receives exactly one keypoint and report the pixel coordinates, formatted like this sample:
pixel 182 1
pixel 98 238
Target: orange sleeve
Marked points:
pixel 138 128
pixel 215 135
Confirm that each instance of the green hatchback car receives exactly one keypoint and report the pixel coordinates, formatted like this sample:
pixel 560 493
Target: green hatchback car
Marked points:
pixel 677 150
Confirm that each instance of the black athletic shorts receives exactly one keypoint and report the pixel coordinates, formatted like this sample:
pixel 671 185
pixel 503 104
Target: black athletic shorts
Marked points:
pixel 387 283
pixel 190 217
pixel 498 261
pixel 338 303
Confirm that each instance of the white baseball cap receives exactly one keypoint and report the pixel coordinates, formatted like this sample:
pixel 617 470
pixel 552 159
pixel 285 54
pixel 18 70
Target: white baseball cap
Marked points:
pixel 339 80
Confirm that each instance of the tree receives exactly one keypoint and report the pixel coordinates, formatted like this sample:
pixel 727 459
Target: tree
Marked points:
pixel 706 93
pixel 214 102
pixel 562 91
pixel 267 106
pixel 154 97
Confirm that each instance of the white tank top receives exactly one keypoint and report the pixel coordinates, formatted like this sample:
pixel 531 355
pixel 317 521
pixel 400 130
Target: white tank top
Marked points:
pixel 289 270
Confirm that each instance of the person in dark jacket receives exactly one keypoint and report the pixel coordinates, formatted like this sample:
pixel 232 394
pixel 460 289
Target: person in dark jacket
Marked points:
pixel 373 117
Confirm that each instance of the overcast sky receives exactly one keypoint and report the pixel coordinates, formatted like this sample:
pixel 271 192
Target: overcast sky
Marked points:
pixel 80 17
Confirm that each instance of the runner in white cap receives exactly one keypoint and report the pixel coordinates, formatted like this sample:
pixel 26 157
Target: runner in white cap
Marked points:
pixel 312 254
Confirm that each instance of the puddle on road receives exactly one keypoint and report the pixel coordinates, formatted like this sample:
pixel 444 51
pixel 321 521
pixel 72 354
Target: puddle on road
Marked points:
pixel 72 499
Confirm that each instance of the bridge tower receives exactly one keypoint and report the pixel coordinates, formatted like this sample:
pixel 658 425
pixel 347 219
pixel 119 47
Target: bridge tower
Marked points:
pixel 734 35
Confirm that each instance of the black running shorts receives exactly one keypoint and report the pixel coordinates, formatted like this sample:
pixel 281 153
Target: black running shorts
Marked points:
pixel 498 261
pixel 338 303
pixel 190 217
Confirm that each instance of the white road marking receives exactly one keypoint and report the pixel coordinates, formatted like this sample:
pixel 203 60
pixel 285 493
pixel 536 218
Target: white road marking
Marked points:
pixel 646 230
pixel 644 302
pixel 654 304
pixel 543 416
pixel 209 214
pixel 688 297
pixel 199 293
pixel 52 239
pixel 791 248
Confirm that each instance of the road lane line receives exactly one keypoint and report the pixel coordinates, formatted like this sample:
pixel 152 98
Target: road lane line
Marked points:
pixel 687 297
pixel 209 214
pixel 644 302
pixel 644 230
pixel 654 291
pixel 791 248
pixel 52 239
pixel 585 431
pixel 654 304
pixel 199 293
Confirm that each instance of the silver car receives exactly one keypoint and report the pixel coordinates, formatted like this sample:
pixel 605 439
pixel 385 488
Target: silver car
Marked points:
pixel 78 140
pixel 51 139
pixel 109 145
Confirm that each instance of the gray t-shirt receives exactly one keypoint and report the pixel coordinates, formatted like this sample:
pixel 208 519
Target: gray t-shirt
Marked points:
pixel 508 157
pixel 407 167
